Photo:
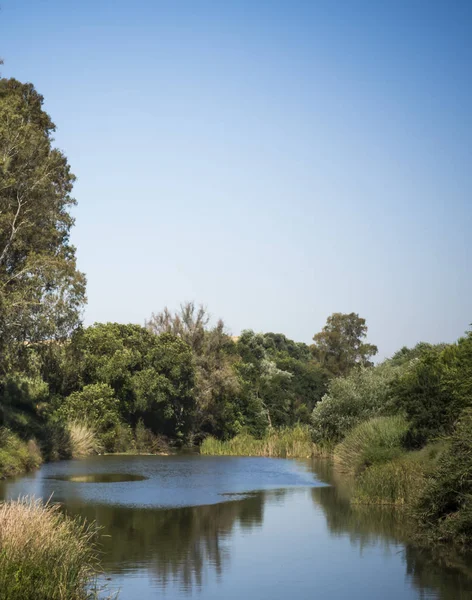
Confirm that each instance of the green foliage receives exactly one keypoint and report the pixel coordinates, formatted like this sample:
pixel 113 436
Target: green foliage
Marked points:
pixel 17 456
pixel 340 346
pixel 378 440
pixel 444 508
pixel 96 409
pixel 217 385
pixel 41 291
pixel 406 355
pixel 287 443
pixel 363 394
pixel 152 377
pixel 280 377
pixel 435 389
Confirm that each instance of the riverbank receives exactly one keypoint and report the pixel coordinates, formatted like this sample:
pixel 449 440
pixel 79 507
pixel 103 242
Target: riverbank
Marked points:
pixel 189 518
pixel 46 555
pixel 431 484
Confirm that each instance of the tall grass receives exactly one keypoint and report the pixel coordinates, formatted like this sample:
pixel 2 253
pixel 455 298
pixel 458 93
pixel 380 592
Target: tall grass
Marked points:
pixel 84 440
pixel 378 440
pixel 45 555
pixel 396 482
pixel 294 442
pixel 399 481
pixel 17 456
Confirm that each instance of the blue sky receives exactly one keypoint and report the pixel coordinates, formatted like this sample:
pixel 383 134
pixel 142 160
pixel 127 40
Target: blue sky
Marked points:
pixel 276 161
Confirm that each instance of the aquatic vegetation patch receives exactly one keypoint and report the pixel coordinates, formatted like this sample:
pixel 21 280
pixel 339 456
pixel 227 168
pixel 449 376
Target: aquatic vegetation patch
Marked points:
pixel 290 442
pixel 100 477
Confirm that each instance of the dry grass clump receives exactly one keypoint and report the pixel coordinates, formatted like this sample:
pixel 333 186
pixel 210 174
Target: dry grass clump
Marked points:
pixel 294 442
pixel 45 555
pixel 84 440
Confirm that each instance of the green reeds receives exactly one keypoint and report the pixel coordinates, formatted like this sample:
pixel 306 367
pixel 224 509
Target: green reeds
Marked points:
pixel 293 442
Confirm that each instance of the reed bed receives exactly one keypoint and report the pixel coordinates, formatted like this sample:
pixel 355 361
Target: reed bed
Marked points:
pixel 45 555
pixel 397 482
pixel 292 442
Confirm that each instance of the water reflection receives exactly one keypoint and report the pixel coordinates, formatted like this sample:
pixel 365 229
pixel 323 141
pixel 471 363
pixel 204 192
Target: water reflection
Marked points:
pixel 445 577
pixel 195 527
pixel 176 544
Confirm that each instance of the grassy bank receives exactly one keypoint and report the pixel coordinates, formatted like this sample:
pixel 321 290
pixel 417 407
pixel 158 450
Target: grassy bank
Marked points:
pixel 17 456
pixel 285 443
pixel 45 555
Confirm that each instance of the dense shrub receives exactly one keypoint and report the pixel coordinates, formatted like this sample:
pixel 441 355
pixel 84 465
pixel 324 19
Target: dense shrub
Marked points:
pixel 97 409
pixel 444 509
pixel 363 394
pixel 400 480
pixel 375 441
pixel 434 390
pixel 17 456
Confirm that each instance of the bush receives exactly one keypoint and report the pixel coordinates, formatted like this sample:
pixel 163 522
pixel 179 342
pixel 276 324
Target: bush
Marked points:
pixel 17 456
pixel 55 440
pixel 375 441
pixel 96 406
pixel 444 509
pixel 123 438
pixel 435 389
pixel 44 555
pixel 363 394
pixel 146 442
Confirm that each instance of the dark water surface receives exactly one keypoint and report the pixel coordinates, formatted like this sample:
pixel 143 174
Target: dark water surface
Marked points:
pixel 224 528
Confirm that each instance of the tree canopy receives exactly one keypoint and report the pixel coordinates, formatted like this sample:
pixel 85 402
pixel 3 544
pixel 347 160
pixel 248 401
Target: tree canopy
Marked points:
pixel 340 345
pixel 41 290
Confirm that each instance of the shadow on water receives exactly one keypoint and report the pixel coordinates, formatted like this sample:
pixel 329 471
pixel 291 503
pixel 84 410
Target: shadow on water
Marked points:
pixel 447 576
pixel 175 544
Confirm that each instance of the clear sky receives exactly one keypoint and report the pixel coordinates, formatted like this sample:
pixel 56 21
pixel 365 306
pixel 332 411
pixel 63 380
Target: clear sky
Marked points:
pixel 275 160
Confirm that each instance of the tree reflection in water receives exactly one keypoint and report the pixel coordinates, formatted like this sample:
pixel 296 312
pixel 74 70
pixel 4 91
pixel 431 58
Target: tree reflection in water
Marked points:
pixel 175 544
pixel 445 576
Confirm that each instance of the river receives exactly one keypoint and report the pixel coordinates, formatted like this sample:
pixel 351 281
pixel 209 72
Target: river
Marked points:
pixel 190 526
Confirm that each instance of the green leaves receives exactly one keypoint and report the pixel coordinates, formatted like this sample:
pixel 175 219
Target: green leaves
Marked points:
pixel 41 291
pixel 340 346
pixel 151 377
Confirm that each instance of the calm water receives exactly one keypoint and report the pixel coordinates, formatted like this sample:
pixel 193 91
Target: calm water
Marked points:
pixel 239 528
